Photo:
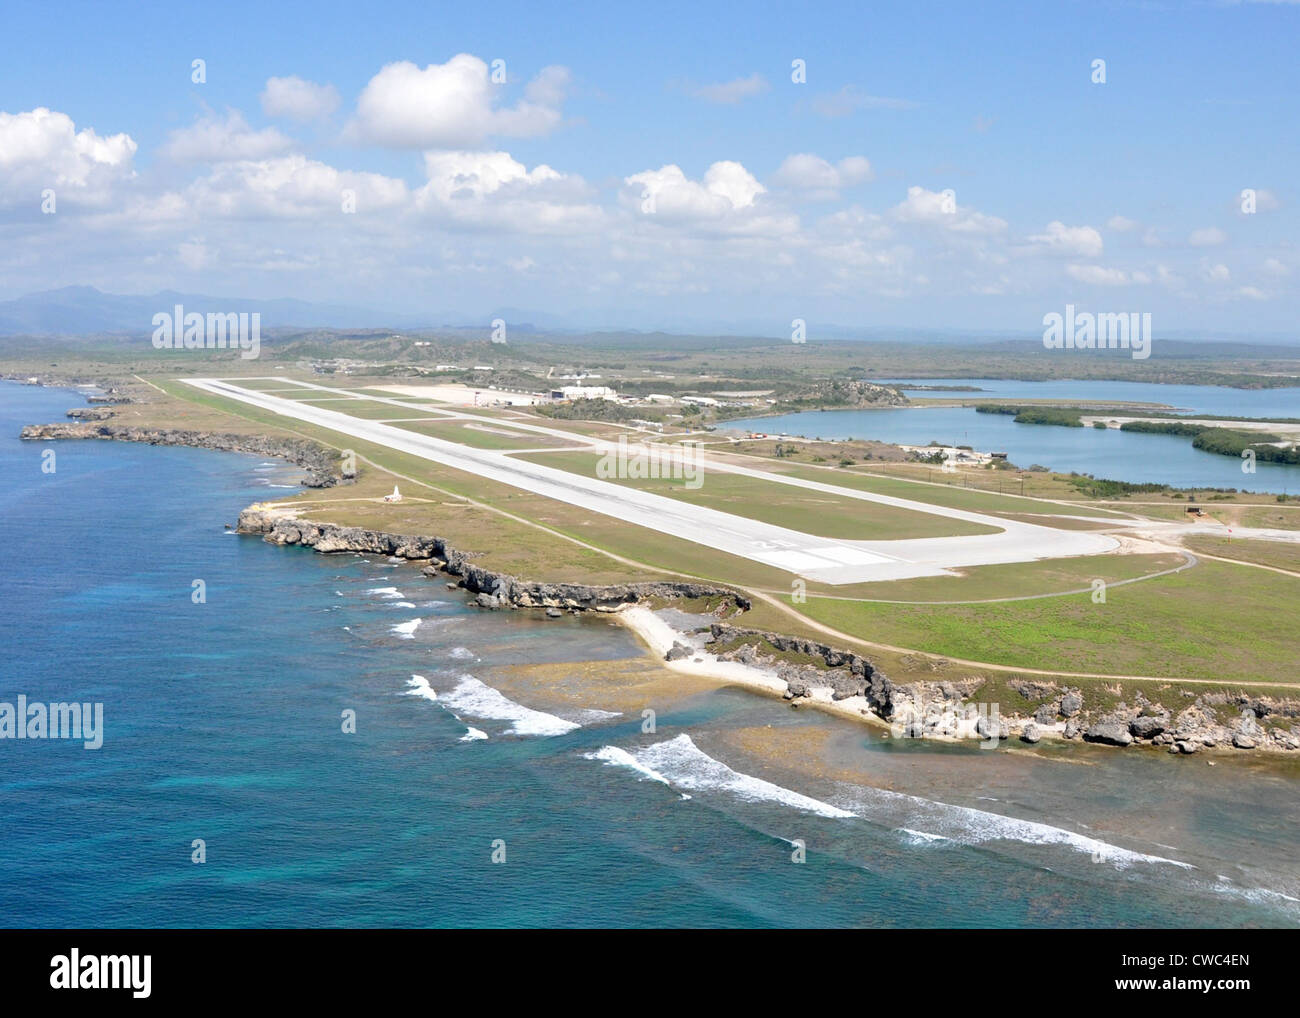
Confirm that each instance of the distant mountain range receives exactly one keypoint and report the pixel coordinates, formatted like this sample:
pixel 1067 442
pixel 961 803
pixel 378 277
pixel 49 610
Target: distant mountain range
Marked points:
pixel 80 310
pixel 84 310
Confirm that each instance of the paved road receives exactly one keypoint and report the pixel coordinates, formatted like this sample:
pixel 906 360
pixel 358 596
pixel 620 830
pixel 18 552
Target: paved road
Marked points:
pixel 816 558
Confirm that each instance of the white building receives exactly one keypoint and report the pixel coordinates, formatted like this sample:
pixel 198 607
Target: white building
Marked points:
pixel 584 392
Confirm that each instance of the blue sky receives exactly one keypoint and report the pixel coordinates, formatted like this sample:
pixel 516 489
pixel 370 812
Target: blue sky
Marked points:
pixel 657 167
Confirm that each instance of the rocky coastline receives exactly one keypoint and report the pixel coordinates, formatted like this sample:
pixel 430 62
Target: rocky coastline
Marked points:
pixel 948 709
pixel 492 590
pixel 819 674
pixel 323 465
pixel 822 673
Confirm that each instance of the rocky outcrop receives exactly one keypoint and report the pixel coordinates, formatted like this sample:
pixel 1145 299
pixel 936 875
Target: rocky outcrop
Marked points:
pixel 1148 726
pixel 493 589
pixel 842 673
pixel 321 463
pixel 90 413
pixel 1111 730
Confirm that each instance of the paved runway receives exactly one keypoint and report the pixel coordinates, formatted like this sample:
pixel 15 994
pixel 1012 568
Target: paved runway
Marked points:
pixel 815 558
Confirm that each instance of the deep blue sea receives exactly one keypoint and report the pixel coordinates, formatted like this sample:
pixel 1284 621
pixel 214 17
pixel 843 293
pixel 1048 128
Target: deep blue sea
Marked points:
pixel 222 722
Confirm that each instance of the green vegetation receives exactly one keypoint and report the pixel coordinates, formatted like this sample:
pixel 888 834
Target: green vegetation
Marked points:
pixel 1067 417
pixel 1233 443
pixel 1277 554
pixel 1163 427
pixel 1013 580
pixel 1102 487
pixel 1224 441
pixel 1208 622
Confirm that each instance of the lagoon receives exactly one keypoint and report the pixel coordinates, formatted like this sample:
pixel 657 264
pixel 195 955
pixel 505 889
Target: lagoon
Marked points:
pixel 1118 455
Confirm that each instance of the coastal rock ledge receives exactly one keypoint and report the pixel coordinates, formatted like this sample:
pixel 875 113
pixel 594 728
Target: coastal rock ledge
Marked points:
pixel 816 672
pixel 322 463
pixel 495 590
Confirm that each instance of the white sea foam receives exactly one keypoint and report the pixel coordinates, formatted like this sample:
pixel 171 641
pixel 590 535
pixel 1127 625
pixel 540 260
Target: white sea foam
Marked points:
pixel 923 821
pixel 480 700
pixel 685 765
pixel 460 654
pixel 389 592
pixel 921 837
pixel 473 735
pixel 1255 895
pixel 968 826
pixel 594 714
pixel 420 687
pixel 403 604
pixel 615 757
pixel 406 630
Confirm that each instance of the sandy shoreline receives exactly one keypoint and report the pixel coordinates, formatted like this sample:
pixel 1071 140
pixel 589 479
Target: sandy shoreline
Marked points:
pixel 659 637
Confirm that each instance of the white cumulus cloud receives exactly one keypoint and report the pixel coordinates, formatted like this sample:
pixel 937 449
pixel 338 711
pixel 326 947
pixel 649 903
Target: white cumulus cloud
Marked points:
pixel 493 189
pixel 941 208
pixel 42 148
pixel 290 187
pixel 453 105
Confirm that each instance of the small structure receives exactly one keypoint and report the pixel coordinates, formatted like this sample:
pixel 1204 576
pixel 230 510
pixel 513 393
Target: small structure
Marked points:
pixel 396 496
pixel 583 392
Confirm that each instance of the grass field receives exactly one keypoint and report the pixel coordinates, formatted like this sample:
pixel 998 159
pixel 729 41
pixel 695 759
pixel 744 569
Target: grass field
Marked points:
pixel 1267 553
pixel 1018 579
pixel 1208 622
pixel 475 434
